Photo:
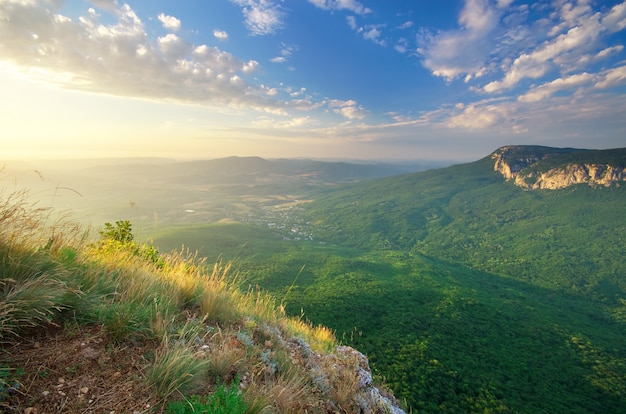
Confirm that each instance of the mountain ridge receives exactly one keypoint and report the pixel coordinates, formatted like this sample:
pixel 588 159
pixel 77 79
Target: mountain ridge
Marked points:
pixel 547 168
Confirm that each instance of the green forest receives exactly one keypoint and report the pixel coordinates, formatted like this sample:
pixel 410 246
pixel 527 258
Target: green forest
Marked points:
pixel 467 293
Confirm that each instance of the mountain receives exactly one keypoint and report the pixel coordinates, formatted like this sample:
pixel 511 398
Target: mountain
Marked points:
pixel 476 214
pixel 535 167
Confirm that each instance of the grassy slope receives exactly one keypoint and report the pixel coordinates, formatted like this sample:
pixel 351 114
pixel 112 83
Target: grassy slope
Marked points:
pixel 116 327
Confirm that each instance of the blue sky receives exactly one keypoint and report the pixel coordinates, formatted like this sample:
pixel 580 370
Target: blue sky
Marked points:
pixel 366 79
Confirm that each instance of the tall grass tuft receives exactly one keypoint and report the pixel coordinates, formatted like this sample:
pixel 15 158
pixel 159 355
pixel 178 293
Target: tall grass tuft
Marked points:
pixel 28 303
pixel 32 287
pixel 319 337
pixel 176 368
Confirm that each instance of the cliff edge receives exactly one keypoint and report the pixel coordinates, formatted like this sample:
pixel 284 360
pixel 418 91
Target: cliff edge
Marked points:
pixel 536 167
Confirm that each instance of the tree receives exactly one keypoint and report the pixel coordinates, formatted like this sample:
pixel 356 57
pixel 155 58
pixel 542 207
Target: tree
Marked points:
pixel 122 232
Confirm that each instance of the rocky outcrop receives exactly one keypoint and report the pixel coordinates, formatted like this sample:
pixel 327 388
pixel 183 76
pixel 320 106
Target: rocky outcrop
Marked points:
pixel 534 168
pixel 557 178
pixel 347 369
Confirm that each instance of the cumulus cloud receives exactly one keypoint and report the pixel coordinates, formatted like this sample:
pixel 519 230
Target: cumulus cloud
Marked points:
pixel 371 32
pixel 547 62
pixel 262 17
pixel 498 37
pixel 477 116
pixel 350 5
pixel 402 45
pixel 348 109
pixel 578 32
pixel 220 34
pixel 118 57
pixel 611 77
pixel 466 50
pixel 169 22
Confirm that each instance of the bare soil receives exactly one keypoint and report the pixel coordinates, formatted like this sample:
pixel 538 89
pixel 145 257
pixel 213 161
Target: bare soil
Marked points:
pixel 77 371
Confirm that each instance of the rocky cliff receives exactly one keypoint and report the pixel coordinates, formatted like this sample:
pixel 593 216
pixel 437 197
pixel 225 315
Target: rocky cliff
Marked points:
pixel 535 167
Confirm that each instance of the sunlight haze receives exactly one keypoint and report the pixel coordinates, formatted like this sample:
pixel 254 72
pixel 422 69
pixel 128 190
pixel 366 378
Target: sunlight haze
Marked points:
pixel 367 79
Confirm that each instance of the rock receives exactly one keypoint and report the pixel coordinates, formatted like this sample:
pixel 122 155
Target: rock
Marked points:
pixel 30 410
pixel 369 398
pixel 90 353
pixel 595 168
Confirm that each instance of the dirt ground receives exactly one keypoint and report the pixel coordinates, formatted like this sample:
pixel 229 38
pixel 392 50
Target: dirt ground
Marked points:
pixel 76 371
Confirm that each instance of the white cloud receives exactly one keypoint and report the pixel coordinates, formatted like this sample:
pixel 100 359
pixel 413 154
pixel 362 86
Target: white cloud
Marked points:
pixel 373 33
pixel 172 45
pixel 285 52
pixel 220 34
pixel 401 45
pixel 369 32
pixel 351 22
pixel 119 58
pixel 579 32
pixel 499 37
pixel 612 77
pixel 550 88
pixel 615 20
pixel 466 50
pixel 348 109
pixel 298 122
pixel 262 17
pixel 476 117
pixel 169 22
pixel 350 5
pixel 609 51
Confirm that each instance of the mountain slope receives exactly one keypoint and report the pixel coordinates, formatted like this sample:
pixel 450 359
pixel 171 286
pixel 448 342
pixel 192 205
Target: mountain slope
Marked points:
pixel 567 239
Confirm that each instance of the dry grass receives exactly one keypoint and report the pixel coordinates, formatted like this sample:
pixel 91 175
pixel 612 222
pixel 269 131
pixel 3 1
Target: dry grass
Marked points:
pixel 176 369
pixel 177 326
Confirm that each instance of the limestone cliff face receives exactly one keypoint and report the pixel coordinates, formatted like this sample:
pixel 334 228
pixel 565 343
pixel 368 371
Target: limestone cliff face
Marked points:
pixel 535 168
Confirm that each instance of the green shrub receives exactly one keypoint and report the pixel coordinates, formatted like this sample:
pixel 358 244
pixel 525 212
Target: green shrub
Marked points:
pixel 225 400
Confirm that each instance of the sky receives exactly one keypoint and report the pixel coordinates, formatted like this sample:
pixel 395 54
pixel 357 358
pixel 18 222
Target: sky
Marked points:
pixel 331 79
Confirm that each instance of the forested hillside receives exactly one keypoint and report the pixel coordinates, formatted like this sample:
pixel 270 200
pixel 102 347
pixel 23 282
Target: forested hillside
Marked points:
pixel 467 292
pixel 567 239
